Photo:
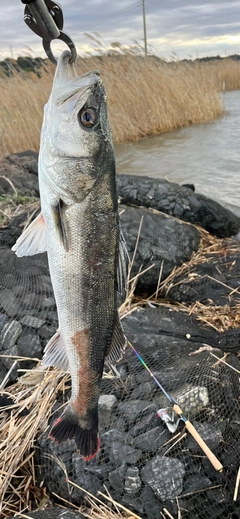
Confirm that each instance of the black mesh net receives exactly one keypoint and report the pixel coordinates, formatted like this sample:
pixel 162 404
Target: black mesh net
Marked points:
pixel 149 461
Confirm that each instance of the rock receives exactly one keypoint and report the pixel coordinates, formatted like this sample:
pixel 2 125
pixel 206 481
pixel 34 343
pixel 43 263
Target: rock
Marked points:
pixel 163 243
pixel 3 319
pixel 196 482
pixel 21 170
pixel 116 477
pixel 51 512
pixel 178 201
pixel 32 322
pixel 26 159
pixel 107 403
pixel 132 480
pixel 165 476
pixel 209 432
pixel 190 398
pixel 152 506
pixel 126 453
pixel 214 281
pixel 144 425
pixel 10 304
pixel 151 440
pixel 29 345
pixel 135 409
pixel 113 435
pixel 9 334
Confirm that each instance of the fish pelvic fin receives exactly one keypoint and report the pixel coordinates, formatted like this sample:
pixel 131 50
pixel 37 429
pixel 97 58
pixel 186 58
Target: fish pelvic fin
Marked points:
pixel 118 344
pixel 55 353
pixel 33 240
pixel 85 432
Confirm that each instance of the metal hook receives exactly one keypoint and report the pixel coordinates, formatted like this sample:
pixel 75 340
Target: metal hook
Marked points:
pixel 64 37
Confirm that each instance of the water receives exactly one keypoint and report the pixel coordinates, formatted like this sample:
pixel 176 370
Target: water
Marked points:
pixel 206 155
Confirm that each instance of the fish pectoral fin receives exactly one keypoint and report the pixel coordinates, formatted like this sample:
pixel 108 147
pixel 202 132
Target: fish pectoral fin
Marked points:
pixel 55 353
pixel 123 260
pixel 58 216
pixel 117 346
pixel 33 240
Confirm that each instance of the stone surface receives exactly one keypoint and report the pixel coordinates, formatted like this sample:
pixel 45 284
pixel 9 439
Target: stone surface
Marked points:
pixel 51 512
pixel 178 201
pixel 9 334
pixel 163 243
pixel 169 486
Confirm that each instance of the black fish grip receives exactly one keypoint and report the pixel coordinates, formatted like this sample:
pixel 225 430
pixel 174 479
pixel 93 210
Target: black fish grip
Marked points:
pixel 45 18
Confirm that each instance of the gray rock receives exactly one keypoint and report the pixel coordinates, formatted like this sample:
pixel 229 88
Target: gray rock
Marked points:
pixel 116 477
pixel 132 480
pixel 145 424
pixel 51 512
pixel 10 304
pixel 113 435
pixel 152 506
pixel 126 453
pixel 107 403
pixel 32 322
pixel 9 334
pixel 165 476
pixel 178 201
pixel 209 432
pixel 196 482
pixel 3 319
pixel 29 345
pixel 133 409
pixel 151 440
pixel 163 243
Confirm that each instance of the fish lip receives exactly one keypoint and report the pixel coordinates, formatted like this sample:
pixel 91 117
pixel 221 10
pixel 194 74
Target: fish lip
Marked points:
pixel 66 72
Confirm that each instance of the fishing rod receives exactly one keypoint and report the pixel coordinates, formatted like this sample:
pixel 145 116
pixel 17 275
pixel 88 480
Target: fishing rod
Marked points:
pixel 176 408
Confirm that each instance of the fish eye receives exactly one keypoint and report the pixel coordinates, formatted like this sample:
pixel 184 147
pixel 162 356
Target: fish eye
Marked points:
pixel 87 117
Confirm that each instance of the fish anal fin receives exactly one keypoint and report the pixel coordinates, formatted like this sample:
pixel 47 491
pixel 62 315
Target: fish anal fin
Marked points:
pixel 58 216
pixel 68 427
pixel 118 344
pixel 33 240
pixel 55 353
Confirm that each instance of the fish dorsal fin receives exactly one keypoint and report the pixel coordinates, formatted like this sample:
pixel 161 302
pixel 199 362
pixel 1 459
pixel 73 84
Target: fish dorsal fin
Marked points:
pixel 123 259
pixel 118 344
pixel 55 353
pixel 33 240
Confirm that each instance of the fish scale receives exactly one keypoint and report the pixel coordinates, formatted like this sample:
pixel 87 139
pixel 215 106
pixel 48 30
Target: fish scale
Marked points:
pixel 79 228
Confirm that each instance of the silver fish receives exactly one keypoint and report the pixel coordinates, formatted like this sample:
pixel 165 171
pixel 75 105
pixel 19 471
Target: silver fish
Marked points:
pixel 78 226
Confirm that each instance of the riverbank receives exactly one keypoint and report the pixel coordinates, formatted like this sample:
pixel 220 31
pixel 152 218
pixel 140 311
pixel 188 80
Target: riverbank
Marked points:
pixel 146 96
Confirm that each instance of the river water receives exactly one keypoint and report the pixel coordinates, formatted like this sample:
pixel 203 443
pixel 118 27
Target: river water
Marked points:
pixel 206 155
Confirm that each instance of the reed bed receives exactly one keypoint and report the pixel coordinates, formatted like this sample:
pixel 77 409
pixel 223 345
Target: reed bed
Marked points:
pixel 146 96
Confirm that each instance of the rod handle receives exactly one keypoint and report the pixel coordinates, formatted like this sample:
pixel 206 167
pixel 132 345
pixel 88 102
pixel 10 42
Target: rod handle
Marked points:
pixel 189 426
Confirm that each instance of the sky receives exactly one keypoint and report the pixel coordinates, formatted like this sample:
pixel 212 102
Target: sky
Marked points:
pixel 176 29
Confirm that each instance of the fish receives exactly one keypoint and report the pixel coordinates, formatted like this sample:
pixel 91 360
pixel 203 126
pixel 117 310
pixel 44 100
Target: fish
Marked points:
pixel 79 228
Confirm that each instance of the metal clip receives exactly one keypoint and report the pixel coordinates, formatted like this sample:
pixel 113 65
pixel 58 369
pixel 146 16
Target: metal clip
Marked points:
pixel 45 18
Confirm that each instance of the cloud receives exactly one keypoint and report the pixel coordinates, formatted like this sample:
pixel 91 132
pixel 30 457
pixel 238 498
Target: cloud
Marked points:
pixel 182 26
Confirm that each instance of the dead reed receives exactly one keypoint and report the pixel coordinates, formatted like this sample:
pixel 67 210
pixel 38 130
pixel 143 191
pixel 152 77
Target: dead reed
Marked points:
pixel 146 96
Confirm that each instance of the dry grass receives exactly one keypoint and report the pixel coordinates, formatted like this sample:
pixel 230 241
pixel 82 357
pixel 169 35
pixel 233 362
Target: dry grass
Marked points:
pixel 146 96
pixel 18 488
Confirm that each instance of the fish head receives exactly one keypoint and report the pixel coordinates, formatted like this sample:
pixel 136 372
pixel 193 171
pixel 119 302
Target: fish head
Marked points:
pixel 76 135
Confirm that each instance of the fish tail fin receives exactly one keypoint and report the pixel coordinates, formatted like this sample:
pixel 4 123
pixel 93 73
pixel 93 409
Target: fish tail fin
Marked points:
pixel 84 432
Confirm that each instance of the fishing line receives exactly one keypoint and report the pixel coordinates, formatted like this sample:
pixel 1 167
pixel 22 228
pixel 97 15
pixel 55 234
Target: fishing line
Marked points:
pixel 189 426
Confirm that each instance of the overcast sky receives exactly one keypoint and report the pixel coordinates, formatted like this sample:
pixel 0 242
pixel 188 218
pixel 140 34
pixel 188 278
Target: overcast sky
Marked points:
pixel 180 28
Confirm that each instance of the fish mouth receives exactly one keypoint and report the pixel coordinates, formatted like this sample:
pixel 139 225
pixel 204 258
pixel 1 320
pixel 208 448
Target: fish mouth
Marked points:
pixel 66 75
